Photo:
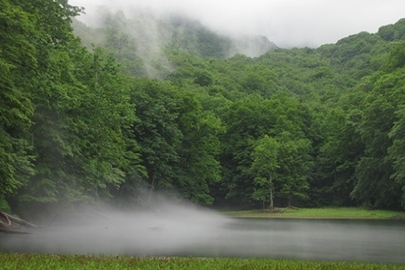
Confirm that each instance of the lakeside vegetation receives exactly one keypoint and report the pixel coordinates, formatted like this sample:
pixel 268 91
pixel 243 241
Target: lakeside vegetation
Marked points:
pixel 164 106
pixel 55 262
pixel 320 213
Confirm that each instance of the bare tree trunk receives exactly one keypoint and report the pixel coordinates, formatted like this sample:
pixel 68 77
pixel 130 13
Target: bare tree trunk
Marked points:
pixel 152 189
pixel 271 194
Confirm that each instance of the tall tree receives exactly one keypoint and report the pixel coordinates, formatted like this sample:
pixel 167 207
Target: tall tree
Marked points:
pixel 246 121
pixel 397 150
pixel 17 70
pixel 198 165
pixel 157 132
pixel 264 166
pixel 295 164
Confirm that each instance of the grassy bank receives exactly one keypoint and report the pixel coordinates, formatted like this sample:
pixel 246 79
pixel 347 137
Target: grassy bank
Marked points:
pixel 327 213
pixel 38 262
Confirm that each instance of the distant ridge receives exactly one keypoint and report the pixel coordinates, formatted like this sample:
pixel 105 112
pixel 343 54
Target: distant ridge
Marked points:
pixel 171 31
pixel 253 46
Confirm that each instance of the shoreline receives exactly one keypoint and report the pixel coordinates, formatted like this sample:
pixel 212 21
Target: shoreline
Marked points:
pixel 349 213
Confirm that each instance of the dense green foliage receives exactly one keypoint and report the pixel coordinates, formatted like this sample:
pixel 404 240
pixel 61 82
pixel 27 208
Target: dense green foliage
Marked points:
pixel 14 261
pixel 158 106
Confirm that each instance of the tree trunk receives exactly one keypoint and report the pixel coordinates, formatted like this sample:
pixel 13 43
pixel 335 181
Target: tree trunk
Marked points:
pixel 271 194
pixel 152 189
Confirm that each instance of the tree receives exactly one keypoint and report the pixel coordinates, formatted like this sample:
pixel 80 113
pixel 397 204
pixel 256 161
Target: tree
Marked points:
pixel 198 166
pixel 397 150
pixel 246 121
pixel 17 70
pixel 82 110
pixel 373 170
pixel 338 157
pixel 157 132
pixel 179 142
pixel 295 164
pixel 264 166
pixel 109 115
pixel 376 184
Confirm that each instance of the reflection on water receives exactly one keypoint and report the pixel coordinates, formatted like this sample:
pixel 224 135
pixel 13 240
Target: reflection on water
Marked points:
pixel 377 241
pixel 211 235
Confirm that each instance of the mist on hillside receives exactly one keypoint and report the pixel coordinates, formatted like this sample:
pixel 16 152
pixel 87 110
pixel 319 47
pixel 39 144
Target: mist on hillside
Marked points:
pixel 288 24
pixel 154 31
pixel 144 38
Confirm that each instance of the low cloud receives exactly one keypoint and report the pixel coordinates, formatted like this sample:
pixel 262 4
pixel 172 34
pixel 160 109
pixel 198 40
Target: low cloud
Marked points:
pixel 288 23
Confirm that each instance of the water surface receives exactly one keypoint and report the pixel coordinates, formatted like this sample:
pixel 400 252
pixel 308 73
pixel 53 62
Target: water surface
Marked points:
pixel 206 234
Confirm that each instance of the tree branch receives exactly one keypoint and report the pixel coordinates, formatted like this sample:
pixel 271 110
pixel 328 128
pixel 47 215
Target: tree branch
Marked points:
pixel 7 225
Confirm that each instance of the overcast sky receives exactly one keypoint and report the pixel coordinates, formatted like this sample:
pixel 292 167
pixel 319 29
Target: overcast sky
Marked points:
pixel 288 23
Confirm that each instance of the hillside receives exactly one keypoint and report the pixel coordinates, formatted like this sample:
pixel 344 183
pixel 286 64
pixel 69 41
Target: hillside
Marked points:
pixel 148 38
pixel 167 107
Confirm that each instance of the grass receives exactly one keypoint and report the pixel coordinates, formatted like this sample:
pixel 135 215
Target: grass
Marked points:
pixel 39 262
pixel 326 213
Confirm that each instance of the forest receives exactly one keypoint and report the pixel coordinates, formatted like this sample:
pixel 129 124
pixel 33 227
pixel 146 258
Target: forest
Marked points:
pixel 139 107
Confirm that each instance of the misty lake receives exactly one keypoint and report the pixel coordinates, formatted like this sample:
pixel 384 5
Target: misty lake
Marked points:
pixel 206 234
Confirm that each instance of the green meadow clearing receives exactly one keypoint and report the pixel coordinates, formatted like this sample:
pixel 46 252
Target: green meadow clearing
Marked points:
pixel 321 213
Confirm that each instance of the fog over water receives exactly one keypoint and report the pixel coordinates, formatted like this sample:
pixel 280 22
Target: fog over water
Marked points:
pixel 179 230
pixel 287 23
